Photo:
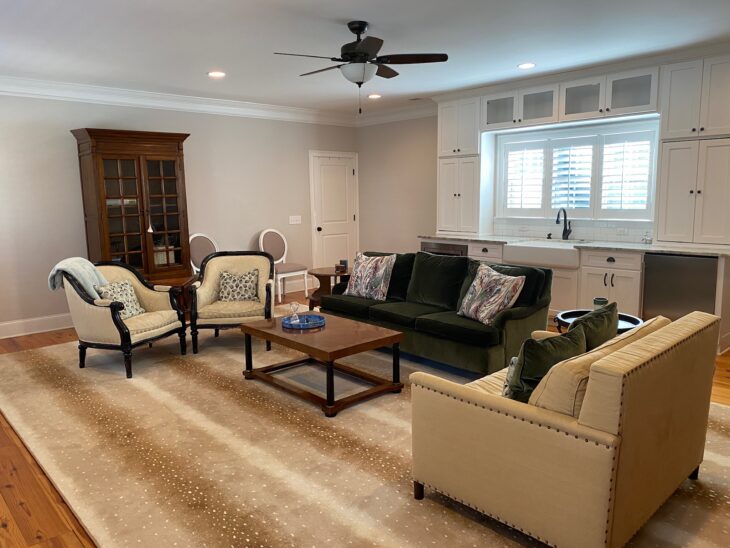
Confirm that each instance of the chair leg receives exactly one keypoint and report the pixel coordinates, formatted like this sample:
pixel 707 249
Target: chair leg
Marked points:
pixel 128 362
pixel 217 332
pixel 418 492
pixel 695 474
pixel 183 342
pixel 268 345
pixel 306 283
pixel 82 356
pixel 278 288
pixel 194 334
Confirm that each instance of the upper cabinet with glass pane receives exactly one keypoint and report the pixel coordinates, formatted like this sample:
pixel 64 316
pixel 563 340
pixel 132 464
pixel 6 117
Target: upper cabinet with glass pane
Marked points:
pixel 520 108
pixel 631 92
pixel 138 180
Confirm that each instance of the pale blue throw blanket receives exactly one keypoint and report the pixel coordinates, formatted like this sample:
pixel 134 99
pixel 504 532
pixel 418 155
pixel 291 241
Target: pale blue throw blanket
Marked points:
pixel 81 269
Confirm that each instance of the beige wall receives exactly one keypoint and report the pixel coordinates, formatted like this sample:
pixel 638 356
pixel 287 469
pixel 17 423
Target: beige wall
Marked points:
pixel 242 175
pixel 397 184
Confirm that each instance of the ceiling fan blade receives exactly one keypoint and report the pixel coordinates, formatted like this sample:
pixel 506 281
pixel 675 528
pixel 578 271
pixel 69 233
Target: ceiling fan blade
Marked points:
pixel 312 56
pixel 384 71
pixel 370 45
pixel 322 70
pixel 410 58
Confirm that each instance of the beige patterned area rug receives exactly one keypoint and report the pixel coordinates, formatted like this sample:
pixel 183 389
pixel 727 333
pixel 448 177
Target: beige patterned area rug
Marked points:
pixel 188 453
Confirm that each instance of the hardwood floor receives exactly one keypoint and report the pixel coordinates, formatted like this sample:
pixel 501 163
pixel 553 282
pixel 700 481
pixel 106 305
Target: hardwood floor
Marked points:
pixel 32 512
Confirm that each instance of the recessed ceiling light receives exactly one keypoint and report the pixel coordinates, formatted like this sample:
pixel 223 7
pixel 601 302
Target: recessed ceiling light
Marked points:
pixel 216 74
pixel 374 96
pixel 526 66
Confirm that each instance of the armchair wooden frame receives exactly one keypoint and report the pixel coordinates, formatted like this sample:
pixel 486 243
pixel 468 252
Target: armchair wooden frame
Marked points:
pixel 194 327
pixel 126 345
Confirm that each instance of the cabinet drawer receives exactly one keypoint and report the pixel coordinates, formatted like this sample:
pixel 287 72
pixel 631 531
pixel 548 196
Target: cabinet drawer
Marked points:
pixel 485 251
pixel 610 259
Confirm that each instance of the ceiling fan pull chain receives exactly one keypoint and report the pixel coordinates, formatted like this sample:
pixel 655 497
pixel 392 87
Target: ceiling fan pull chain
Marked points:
pixel 359 99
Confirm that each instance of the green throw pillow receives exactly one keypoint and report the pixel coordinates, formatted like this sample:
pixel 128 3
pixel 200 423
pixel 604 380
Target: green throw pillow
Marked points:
pixel 537 357
pixel 599 325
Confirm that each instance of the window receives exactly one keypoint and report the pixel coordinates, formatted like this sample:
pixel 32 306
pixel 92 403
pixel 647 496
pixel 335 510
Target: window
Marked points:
pixel 603 171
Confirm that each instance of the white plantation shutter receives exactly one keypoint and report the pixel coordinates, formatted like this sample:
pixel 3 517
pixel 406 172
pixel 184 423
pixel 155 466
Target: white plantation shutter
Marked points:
pixel 572 174
pixel 525 171
pixel 626 172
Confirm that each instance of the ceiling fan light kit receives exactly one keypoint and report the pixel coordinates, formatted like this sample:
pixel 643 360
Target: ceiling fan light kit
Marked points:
pixel 358 73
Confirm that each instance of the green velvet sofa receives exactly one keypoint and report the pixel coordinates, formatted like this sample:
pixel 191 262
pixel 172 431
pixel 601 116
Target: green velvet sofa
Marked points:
pixel 424 294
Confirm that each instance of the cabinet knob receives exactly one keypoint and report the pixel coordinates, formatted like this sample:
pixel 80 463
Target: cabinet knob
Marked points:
pixel 694 129
pixel 458 150
pixel 454 194
pixel 691 191
pixel 702 129
pixel 608 109
pixel 699 192
pixel 514 121
pixel 600 110
pixel 519 119
pixel 459 195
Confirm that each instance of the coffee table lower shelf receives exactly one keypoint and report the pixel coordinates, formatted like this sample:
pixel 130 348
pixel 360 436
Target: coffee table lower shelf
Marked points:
pixel 329 405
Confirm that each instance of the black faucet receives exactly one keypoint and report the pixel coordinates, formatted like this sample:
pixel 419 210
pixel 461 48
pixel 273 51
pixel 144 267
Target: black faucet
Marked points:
pixel 566 223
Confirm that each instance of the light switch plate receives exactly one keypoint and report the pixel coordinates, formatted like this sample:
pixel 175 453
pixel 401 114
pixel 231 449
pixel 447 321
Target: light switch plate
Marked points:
pixel 295 219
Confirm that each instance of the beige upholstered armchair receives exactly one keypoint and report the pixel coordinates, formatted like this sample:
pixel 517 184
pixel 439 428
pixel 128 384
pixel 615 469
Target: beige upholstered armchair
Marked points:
pixel 98 323
pixel 590 480
pixel 208 312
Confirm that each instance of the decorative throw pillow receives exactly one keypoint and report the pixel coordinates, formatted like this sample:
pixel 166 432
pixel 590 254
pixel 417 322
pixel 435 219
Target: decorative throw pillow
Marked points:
pixel 489 294
pixel 537 357
pixel 122 292
pixel 371 277
pixel 239 287
pixel 600 325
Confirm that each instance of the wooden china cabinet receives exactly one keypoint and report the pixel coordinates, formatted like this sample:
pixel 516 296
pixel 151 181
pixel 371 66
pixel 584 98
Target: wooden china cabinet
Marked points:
pixel 133 188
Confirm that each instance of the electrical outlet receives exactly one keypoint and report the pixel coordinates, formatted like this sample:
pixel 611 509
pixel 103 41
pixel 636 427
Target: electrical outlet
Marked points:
pixel 295 219
pixel 622 232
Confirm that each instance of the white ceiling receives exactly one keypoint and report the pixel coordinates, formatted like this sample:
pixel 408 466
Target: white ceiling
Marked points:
pixel 169 45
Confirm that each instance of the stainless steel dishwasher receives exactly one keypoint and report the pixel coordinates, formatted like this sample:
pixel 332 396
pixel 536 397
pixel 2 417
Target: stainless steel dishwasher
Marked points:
pixel 675 285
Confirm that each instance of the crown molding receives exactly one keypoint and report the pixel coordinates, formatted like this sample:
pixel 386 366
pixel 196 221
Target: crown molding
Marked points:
pixel 63 91
pixel 425 110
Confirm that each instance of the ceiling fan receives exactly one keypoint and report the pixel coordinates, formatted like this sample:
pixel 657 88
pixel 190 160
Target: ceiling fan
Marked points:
pixel 359 61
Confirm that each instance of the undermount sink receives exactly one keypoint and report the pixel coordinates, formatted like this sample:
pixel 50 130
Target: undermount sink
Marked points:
pixel 547 253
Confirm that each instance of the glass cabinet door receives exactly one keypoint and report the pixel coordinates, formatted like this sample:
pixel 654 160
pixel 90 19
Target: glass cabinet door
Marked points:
pixel 124 214
pixel 164 214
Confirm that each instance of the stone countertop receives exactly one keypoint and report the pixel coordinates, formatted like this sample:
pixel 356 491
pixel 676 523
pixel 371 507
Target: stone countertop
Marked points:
pixel 656 247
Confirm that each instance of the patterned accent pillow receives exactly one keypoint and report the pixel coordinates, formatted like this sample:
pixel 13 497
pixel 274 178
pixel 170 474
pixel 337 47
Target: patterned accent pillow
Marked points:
pixel 371 277
pixel 239 287
pixel 489 294
pixel 122 292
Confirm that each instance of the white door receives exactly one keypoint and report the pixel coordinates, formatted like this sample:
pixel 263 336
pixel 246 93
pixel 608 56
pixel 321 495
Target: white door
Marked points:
pixel 712 221
pixel 632 92
pixel 593 283
pixel 448 128
pixel 334 207
pixel 676 191
pixel 625 289
pixel 467 194
pixel 715 112
pixel 447 201
pixel 468 126
pixel 681 92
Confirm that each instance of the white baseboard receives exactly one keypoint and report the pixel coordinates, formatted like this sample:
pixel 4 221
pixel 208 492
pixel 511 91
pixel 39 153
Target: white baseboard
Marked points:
pixel 15 328
pixel 295 284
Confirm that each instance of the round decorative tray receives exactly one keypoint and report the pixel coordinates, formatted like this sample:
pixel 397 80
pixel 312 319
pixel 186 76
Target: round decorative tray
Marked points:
pixel 306 321
pixel 625 321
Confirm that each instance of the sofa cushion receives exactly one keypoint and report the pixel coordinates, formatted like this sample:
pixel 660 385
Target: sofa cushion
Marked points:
pixel 599 325
pixel 537 357
pixel 348 305
pixel 401 275
pixel 150 321
pixel 531 291
pixel 491 384
pixel 231 309
pixel 564 387
pixel 401 313
pixel 450 325
pixel 437 280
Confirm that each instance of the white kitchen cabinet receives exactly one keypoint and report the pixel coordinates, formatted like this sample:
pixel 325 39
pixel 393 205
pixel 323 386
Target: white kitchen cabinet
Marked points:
pixel 525 107
pixel 621 286
pixel 681 94
pixel 676 191
pixel 694 192
pixel 486 252
pixel 458 195
pixel 630 92
pixel 564 290
pixel 712 196
pixel 694 99
pixel 458 127
pixel 715 109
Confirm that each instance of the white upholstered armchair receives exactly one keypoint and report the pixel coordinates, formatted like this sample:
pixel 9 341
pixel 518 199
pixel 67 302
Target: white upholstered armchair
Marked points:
pixel 209 312
pixel 98 322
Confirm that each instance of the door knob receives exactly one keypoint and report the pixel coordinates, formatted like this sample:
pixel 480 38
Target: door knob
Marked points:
pixel 319 229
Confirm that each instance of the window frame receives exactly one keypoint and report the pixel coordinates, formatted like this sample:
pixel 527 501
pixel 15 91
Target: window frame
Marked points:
pixel 598 133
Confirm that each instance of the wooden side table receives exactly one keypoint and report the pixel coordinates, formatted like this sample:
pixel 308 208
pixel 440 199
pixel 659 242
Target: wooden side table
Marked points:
pixel 324 276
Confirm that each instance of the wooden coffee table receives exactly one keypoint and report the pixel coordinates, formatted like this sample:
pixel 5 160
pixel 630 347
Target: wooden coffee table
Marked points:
pixel 339 338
